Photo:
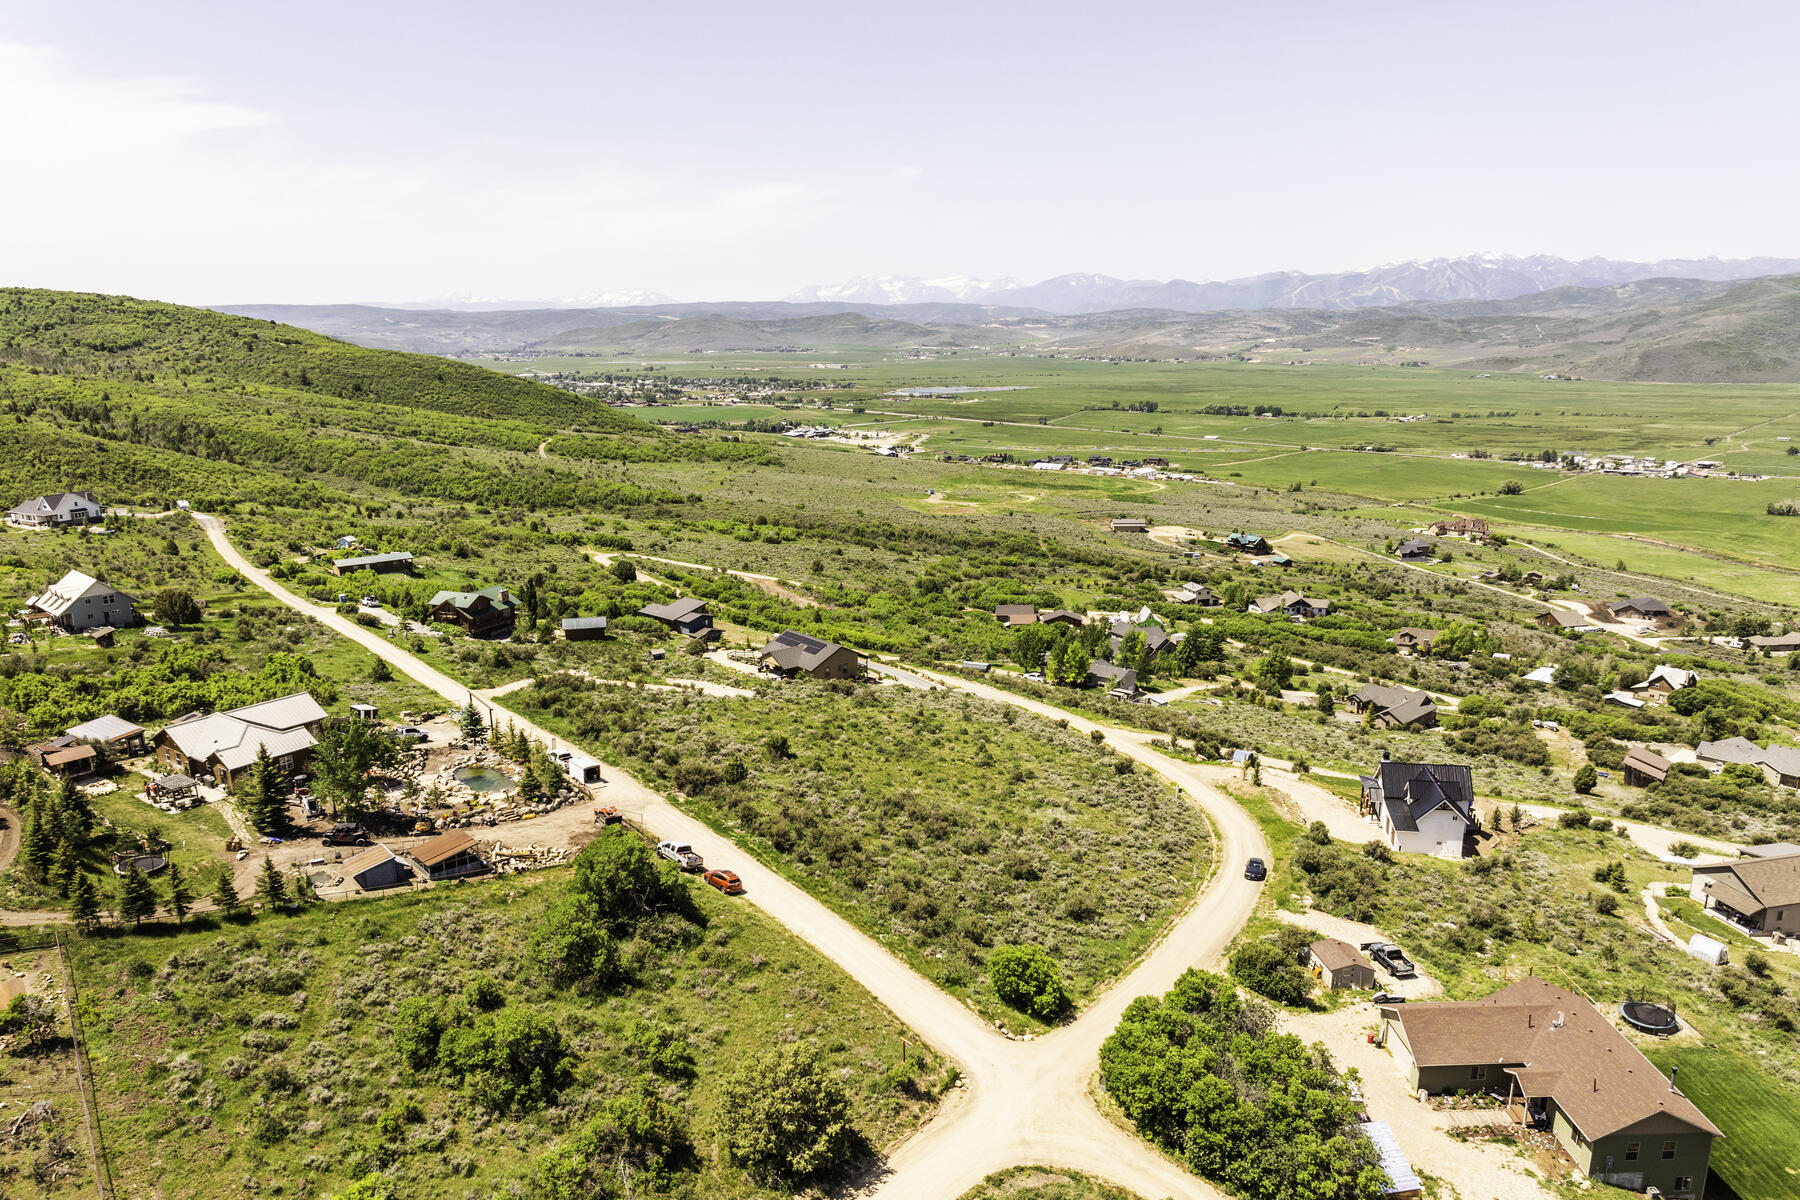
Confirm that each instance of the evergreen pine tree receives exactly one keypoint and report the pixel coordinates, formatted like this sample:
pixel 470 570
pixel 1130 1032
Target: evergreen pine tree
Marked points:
pixel 180 895
pixel 259 795
pixel 37 848
pixel 137 897
pixel 64 868
pixel 271 888
pixel 84 902
pixel 225 898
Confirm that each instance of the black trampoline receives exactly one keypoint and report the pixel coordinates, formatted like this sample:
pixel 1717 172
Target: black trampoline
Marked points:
pixel 1650 1016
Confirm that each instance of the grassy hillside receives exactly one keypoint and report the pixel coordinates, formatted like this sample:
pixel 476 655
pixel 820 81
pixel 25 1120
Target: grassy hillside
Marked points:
pixel 276 1054
pixel 145 402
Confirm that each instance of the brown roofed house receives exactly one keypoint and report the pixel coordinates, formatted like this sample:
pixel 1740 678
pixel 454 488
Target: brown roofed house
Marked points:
pixel 687 615
pixel 1762 894
pixel 1061 616
pixel 1015 614
pixel 1395 707
pixel 1414 641
pixel 791 652
pixel 1608 1107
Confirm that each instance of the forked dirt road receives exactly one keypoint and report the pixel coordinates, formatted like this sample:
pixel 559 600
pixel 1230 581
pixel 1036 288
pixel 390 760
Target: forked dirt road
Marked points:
pixel 1027 1101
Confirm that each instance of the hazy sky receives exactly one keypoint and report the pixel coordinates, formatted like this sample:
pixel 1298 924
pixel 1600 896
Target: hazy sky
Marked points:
pixel 238 152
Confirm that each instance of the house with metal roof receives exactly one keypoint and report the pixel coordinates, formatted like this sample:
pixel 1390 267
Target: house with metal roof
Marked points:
pixel 224 744
pixel 791 653
pixel 1563 1066
pixel 1422 808
pixel 397 562
pixel 118 735
pixel 1248 543
pixel 583 629
pixel 78 601
pixel 54 510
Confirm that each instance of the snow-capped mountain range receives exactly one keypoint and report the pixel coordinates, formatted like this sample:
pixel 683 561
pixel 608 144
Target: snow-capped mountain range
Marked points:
pixel 1472 277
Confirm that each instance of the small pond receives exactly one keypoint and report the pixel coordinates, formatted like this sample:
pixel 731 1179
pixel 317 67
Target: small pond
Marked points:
pixel 482 779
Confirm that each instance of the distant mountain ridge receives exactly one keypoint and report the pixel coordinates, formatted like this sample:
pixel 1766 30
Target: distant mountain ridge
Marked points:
pixel 1472 277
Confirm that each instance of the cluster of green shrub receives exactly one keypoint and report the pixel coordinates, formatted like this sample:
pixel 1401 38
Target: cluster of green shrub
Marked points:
pixel 1202 1073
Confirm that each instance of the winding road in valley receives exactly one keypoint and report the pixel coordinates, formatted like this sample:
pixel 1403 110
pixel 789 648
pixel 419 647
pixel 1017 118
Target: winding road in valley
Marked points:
pixel 1022 1102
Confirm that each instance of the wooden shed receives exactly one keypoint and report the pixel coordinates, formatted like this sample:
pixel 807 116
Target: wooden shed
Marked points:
pixel 1340 965
pixel 376 868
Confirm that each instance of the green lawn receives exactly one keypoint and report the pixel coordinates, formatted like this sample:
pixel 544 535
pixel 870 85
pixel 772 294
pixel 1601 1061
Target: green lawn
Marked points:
pixel 1759 1116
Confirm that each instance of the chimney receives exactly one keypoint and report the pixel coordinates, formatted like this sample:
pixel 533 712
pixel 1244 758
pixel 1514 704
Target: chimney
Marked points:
pixel 1673 1071
pixel 1384 756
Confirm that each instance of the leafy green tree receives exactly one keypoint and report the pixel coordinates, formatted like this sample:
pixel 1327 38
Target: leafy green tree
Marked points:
pixel 180 895
pixel 785 1117
pixel 84 902
pixel 1029 645
pixel 380 672
pixel 418 1028
pixel 175 607
pixel 624 570
pixel 226 901
pixel 347 752
pixel 1028 979
pixel 509 1061
pixel 1586 778
pixel 625 880
pixel 137 898
pixel 271 888
pixel 259 794
pixel 1274 672
pixel 1511 487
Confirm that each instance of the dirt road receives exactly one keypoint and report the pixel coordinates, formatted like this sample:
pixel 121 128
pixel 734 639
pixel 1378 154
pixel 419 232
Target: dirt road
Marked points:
pixel 1027 1102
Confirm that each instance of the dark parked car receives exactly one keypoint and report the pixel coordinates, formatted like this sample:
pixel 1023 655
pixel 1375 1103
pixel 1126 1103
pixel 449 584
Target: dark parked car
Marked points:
pixel 1256 869
pixel 1388 998
pixel 1391 958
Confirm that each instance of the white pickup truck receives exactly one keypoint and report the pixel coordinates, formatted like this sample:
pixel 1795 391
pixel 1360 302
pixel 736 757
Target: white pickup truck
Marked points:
pixel 682 855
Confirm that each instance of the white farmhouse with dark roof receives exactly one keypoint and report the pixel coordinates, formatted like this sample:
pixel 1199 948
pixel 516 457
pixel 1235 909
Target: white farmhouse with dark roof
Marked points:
pixel 1422 808
pixel 54 510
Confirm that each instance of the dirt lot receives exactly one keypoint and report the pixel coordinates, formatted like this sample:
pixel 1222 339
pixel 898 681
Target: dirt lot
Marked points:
pixel 1477 1170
